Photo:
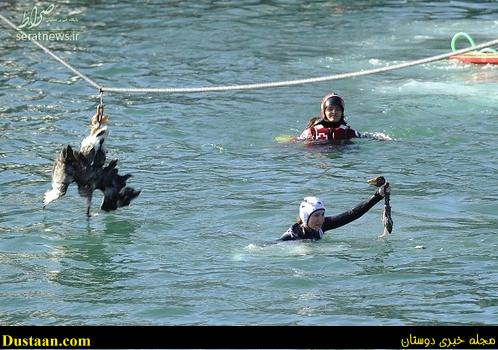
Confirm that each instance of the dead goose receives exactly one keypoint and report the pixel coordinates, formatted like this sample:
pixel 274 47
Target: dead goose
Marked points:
pixel 86 168
pixel 387 220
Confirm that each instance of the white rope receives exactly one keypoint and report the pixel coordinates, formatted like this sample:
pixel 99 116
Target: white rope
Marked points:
pixel 257 85
pixel 303 81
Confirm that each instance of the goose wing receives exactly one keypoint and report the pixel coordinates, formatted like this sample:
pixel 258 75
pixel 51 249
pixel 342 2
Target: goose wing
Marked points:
pixel 116 193
pixel 63 172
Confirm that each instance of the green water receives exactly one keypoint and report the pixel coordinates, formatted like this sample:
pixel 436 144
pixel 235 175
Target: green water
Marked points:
pixel 197 245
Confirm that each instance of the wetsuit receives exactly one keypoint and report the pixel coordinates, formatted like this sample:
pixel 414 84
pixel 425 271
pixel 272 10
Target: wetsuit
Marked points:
pixel 299 231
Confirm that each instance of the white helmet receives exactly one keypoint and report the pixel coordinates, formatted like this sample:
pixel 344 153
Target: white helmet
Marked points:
pixel 308 206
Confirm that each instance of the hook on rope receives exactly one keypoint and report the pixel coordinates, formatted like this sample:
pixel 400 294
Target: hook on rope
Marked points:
pixel 101 92
pixel 100 108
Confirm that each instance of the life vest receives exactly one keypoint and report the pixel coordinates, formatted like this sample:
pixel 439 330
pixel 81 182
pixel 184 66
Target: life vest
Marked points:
pixel 342 132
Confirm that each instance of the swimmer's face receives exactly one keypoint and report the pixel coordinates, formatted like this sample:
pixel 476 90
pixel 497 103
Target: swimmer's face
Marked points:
pixel 333 113
pixel 316 219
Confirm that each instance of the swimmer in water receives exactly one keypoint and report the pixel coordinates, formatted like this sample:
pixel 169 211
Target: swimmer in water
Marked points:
pixel 331 125
pixel 312 222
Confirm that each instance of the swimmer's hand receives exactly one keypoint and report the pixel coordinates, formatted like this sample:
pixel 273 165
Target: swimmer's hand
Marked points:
pixel 382 184
pixel 384 189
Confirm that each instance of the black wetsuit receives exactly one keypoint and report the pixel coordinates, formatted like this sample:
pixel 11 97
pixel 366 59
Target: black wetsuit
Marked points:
pixel 298 231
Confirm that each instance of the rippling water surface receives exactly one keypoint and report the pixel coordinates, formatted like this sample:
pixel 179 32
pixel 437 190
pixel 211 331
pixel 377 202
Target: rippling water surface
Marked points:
pixel 197 246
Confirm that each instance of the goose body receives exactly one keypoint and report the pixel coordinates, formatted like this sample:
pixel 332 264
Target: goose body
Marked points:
pixel 86 168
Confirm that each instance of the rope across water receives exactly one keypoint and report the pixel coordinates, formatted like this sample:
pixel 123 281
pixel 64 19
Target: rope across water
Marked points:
pixel 255 85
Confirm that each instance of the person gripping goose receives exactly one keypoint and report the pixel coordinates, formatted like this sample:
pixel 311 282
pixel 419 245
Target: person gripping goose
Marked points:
pixel 312 222
pixel 86 168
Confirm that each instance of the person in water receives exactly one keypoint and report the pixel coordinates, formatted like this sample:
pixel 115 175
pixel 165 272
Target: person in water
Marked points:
pixel 312 222
pixel 331 125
